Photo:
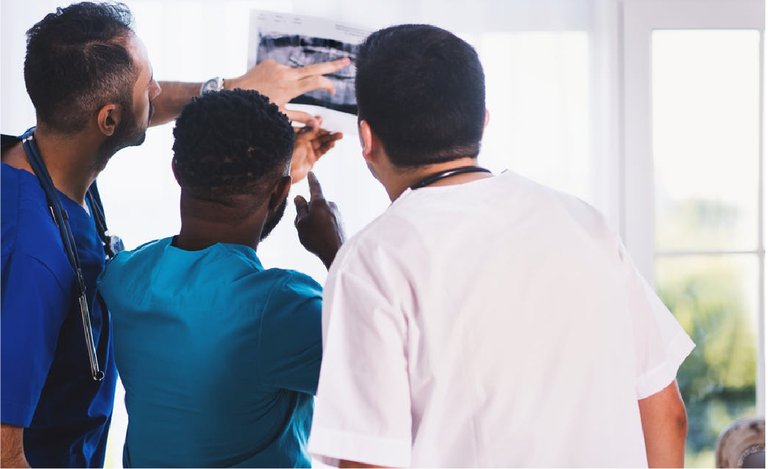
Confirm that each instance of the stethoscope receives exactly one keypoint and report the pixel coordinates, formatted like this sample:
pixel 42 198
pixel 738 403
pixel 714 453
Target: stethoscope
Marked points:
pixel 112 244
pixel 448 173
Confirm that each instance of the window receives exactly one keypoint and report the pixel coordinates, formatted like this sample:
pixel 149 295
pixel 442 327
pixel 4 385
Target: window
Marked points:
pixel 709 259
pixel 694 213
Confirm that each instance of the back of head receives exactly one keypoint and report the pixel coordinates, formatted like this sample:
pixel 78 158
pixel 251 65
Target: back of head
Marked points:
pixel 231 143
pixel 77 62
pixel 422 91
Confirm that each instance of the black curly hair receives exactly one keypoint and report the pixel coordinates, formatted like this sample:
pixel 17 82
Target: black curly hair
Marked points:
pixel 229 143
pixel 77 62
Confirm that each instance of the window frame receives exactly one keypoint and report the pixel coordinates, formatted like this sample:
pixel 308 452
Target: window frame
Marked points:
pixel 638 19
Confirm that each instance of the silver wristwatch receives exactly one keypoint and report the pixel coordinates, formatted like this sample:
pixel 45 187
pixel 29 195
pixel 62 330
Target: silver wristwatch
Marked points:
pixel 214 84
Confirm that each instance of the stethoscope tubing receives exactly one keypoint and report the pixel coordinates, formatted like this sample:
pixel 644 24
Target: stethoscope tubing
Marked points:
pixel 61 219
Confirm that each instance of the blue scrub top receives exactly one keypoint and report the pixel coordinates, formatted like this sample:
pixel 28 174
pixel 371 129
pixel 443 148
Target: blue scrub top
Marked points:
pixel 219 357
pixel 46 378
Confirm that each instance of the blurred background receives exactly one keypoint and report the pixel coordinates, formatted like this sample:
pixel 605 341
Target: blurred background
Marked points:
pixel 651 110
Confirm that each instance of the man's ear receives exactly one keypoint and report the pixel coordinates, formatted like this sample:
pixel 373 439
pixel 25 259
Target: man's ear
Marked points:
pixel 366 139
pixel 109 119
pixel 279 192
pixel 487 118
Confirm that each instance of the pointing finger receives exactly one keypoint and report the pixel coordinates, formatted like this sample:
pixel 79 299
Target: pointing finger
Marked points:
pixel 315 191
pixel 324 68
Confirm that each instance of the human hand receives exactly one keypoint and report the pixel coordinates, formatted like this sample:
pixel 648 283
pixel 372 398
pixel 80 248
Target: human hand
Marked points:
pixel 281 83
pixel 311 143
pixel 318 223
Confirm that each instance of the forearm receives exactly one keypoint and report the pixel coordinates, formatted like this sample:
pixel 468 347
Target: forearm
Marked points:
pixel 665 426
pixel 344 463
pixel 12 447
pixel 174 97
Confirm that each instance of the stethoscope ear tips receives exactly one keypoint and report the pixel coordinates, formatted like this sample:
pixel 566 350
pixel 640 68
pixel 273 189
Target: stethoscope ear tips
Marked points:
pixel 98 376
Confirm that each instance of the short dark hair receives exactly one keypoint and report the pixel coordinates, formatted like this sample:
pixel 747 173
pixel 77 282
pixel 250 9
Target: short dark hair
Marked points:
pixel 77 62
pixel 422 90
pixel 229 143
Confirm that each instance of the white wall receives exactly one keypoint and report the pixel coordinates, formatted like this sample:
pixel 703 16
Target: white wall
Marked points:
pixel 541 102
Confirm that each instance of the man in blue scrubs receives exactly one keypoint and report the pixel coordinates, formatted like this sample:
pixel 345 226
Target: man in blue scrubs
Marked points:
pixel 219 355
pixel 90 80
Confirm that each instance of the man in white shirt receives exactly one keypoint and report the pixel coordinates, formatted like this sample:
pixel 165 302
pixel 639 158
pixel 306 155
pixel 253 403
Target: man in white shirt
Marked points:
pixel 482 320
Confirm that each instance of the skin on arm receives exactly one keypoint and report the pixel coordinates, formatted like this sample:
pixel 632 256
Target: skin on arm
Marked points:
pixel 174 97
pixel 665 426
pixel 12 446
pixel 344 463
pixel 280 83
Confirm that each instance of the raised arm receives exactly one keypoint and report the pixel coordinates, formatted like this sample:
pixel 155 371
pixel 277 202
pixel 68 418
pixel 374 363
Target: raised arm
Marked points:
pixel 279 83
pixel 665 426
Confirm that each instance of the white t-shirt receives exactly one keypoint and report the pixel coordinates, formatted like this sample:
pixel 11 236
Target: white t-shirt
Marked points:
pixel 492 323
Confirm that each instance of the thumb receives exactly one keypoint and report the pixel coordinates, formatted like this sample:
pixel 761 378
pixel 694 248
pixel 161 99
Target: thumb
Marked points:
pixel 302 117
pixel 302 208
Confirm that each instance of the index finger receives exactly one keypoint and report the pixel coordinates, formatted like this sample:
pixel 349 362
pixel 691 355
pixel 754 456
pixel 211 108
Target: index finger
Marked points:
pixel 315 191
pixel 324 68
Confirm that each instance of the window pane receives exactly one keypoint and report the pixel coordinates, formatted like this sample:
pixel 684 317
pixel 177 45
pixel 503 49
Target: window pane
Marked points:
pixel 705 138
pixel 715 300
pixel 538 97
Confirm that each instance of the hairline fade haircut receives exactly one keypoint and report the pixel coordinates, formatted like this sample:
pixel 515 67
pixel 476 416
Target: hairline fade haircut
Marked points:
pixel 231 143
pixel 77 62
pixel 422 90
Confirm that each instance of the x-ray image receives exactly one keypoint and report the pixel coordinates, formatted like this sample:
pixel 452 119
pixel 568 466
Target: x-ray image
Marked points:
pixel 297 41
pixel 298 51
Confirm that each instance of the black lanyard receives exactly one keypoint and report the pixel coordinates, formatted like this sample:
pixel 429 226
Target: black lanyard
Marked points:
pixel 111 244
pixel 446 174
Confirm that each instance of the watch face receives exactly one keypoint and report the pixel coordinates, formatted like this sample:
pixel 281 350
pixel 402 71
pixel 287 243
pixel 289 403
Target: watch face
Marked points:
pixel 214 84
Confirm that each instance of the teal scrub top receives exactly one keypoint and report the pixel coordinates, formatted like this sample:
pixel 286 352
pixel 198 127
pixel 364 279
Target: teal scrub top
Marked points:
pixel 219 357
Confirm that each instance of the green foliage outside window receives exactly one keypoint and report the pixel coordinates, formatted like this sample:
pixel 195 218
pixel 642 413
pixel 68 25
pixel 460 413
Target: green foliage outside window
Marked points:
pixel 714 299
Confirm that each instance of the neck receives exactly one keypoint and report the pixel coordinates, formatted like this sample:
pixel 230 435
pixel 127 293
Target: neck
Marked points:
pixel 402 179
pixel 205 223
pixel 72 160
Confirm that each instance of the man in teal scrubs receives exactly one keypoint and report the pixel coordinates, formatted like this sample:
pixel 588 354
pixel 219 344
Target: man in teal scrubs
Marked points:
pixel 220 356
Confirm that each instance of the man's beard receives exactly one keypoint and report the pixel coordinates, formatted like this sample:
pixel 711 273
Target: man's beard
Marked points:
pixel 273 220
pixel 129 133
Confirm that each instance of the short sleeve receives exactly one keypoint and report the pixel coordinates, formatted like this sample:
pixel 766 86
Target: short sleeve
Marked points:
pixel 290 345
pixel 661 344
pixel 34 306
pixel 363 405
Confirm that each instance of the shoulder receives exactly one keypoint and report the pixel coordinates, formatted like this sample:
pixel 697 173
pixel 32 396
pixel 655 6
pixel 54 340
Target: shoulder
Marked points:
pixel 293 299
pixel 385 252
pixel 125 261
pixel 290 283
pixel 387 232
pixel 148 249
pixel 28 230
pixel 23 203
pixel 567 214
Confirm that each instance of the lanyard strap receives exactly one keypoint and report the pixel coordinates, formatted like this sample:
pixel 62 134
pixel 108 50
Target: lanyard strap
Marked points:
pixel 61 218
